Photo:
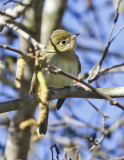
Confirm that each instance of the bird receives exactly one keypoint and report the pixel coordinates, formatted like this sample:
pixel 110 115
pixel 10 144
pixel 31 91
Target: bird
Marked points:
pixel 60 52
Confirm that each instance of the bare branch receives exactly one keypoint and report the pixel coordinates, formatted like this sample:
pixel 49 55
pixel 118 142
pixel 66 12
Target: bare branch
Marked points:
pixel 72 121
pixel 77 123
pixel 83 84
pixel 13 1
pixel 57 151
pixel 100 112
pixel 74 91
pixel 64 140
pixel 5 14
pixel 109 39
pixel 117 158
pixel 98 65
pixel 12 49
pixel 115 126
pixel 102 136
pixel 108 70
pixel 117 33
pixel 13 13
pixel 25 35
pixel 115 19
pixel 100 50
pixel 115 70
pixel 97 142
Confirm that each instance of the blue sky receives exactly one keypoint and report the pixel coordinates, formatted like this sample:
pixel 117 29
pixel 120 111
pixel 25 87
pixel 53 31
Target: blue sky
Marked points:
pixel 92 34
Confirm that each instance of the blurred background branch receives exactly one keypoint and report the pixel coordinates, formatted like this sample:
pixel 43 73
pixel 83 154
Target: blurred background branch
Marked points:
pixel 26 26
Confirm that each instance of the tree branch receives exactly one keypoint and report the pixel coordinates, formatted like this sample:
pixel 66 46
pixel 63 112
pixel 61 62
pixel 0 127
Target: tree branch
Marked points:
pixel 99 50
pixel 83 84
pixel 12 49
pixel 67 92
pixel 110 40
pixel 13 13
pixel 25 35
pixel 109 70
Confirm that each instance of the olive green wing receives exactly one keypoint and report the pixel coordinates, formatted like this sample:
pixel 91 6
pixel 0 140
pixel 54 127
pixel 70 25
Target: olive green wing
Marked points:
pixel 79 65
pixel 61 101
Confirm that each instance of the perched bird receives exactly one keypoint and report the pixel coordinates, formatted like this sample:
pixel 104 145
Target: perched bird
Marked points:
pixel 60 52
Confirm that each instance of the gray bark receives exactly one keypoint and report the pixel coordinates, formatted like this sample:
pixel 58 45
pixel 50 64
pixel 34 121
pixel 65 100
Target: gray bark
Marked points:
pixel 31 101
pixel 51 18
pixel 18 141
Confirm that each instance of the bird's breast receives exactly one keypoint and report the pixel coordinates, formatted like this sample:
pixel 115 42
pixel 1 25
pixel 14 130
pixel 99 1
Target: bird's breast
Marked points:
pixel 68 64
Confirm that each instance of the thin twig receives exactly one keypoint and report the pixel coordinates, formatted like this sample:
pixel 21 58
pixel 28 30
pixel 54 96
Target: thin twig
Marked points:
pixel 102 136
pixel 98 65
pixel 78 155
pixel 117 158
pixel 56 70
pixel 104 70
pixel 14 2
pixel 12 49
pixel 109 68
pixel 66 150
pixel 8 2
pixel 100 112
pixel 34 77
pixel 77 123
pixel 104 116
pixel 99 50
pixel 5 14
pixel 14 12
pixel 57 151
pixel 115 19
pixel 52 152
pixel 109 39
pixel 115 126
pixel 26 36
pixel 117 33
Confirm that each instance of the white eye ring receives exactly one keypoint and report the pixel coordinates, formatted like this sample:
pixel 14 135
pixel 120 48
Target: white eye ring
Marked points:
pixel 63 42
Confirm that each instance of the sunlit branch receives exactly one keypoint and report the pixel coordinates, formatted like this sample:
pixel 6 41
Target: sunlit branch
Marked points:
pixel 92 76
pixel 83 84
pixel 109 70
pixel 72 92
pixel 14 12
pixel 25 35
pixel 12 49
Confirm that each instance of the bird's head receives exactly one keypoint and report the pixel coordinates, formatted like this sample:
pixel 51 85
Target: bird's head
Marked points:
pixel 62 41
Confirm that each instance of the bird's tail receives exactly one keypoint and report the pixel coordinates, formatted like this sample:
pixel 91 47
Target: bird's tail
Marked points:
pixel 60 103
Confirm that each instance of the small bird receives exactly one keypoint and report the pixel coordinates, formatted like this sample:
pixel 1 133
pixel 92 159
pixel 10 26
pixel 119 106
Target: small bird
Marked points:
pixel 60 52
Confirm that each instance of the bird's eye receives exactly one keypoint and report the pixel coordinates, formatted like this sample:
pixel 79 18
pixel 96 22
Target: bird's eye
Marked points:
pixel 63 42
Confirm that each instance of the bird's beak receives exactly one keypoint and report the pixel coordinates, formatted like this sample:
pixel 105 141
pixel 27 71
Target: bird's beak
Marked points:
pixel 74 36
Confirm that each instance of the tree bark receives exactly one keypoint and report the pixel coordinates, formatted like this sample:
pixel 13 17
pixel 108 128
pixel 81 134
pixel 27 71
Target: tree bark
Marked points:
pixel 18 141
pixel 51 19
pixel 31 101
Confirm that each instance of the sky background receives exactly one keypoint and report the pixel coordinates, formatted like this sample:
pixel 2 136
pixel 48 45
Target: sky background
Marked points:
pixel 94 28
